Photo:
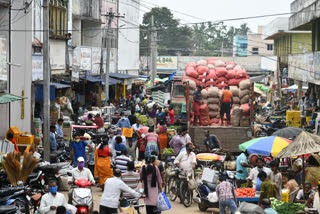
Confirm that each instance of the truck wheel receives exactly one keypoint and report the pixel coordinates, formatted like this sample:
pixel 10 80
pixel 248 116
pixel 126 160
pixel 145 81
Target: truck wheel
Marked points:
pixel 202 207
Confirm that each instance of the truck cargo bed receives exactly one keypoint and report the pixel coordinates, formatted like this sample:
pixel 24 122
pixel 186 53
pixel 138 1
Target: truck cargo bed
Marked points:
pixel 230 137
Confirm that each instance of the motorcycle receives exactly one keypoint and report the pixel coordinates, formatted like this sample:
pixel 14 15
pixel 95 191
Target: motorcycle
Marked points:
pixel 15 196
pixel 10 209
pixel 54 171
pixel 130 206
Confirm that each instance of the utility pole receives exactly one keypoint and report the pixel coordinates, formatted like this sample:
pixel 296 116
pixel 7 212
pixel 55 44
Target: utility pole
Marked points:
pixel 103 45
pixel 111 15
pixel 46 82
pixel 154 52
pixel 279 80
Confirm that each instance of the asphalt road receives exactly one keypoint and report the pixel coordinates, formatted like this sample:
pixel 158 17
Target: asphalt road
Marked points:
pixel 177 207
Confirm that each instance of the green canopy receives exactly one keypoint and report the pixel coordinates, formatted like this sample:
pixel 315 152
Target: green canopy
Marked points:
pixel 7 98
pixel 261 87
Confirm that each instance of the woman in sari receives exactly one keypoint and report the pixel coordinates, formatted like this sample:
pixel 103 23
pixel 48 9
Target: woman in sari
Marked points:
pixel 163 136
pixel 102 167
pixel 313 170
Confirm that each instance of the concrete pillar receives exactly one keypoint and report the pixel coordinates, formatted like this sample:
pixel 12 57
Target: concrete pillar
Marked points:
pixel 299 90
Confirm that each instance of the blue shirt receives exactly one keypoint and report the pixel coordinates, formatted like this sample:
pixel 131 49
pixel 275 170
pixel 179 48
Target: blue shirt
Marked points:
pixel 242 159
pixel 79 149
pixel 53 142
pixel 124 123
pixel 59 131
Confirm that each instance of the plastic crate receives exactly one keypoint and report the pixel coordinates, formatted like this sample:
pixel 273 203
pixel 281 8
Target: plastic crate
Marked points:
pixel 291 114
pixel 25 139
pixel 15 131
pixel 294 124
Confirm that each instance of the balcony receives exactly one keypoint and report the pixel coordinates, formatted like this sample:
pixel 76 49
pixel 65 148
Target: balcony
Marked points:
pixel 304 12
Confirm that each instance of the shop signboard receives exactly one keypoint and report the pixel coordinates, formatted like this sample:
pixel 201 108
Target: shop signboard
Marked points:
pixel 167 63
pixel 95 60
pixel 85 59
pixel 37 68
pixel 3 59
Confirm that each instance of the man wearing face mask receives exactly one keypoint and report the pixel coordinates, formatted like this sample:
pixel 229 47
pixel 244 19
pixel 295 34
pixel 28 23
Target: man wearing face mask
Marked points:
pixel 253 176
pixel 78 149
pixel 123 122
pixel 50 201
pixel 186 160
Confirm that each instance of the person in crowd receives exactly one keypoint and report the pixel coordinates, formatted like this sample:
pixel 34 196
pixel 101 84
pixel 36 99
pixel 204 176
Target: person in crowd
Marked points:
pixel 158 163
pixel 170 117
pixel 276 178
pixel 177 143
pixel 130 178
pixel 53 140
pixel 297 166
pixel 184 134
pixel 314 199
pixel 152 122
pixel 119 146
pixel 186 160
pixel 90 160
pixel 50 201
pixel 312 171
pixel 123 122
pixel 78 149
pixel 242 169
pixel 253 176
pixel 161 115
pixel 152 141
pixel 137 125
pixel 59 131
pixel 121 100
pixel 266 205
pixel 89 121
pixel 98 120
pixel 132 118
pixel 121 161
pixel 102 167
pixel 61 210
pixel 226 104
pixel 211 141
pixel 196 105
pixel 142 148
pixel 226 195
pixel 268 189
pixel 12 140
pixel 113 187
pixel 137 106
pixel 167 105
pixel 304 194
pixel 132 145
pixel 151 181
pixel 302 110
pixel 291 184
pixel 163 136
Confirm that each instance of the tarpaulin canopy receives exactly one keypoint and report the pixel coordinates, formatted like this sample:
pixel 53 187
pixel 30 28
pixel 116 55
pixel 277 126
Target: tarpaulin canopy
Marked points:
pixel 261 87
pixel 122 76
pixel 90 78
pixel 7 98
pixel 60 85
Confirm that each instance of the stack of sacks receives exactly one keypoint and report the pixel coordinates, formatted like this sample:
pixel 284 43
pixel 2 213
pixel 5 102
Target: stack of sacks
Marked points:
pixel 192 88
pixel 236 116
pixel 244 92
pixel 239 75
pixel 211 78
pixel 203 72
pixel 235 96
pixel 191 72
pixel 213 102
pixel 204 115
pixel 204 94
pixel 221 71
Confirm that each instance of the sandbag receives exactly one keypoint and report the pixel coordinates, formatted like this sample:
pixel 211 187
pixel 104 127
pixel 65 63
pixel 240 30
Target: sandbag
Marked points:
pixel 212 75
pixel 213 114
pixel 245 109
pixel 244 92
pixel 191 72
pixel 213 107
pixel 202 70
pixel 202 62
pixel 230 74
pixel 221 71
pixel 242 73
pixel 213 92
pixel 211 83
pixel 204 93
pixel 236 100
pixel 245 84
pixel 222 80
pixel 219 63
pixel 235 91
pixel 222 85
pixel 213 100
pixel 192 84
pixel 192 64
pixel 244 100
pixel 210 66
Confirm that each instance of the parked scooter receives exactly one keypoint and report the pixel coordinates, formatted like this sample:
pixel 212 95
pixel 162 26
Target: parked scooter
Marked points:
pixel 15 196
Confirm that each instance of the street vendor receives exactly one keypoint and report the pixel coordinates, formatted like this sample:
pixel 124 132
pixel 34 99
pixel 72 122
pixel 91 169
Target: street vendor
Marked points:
pixel 313 170
pixel 211 141
pixel 253 176
pixel 304 194
pixel 314 199
pixel 242 168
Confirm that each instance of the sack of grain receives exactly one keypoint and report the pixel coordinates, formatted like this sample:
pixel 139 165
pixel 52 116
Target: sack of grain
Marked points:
pixel 245 109
pixel 233 82
pixel 245 84
pixel 244 93
pixel 204 93
pixel 230 74
pixel 213 114
pixel 244 100
pixel 202 62
pixel 230 67
pixel 222 80
pixel 202 70
pixel 235 91
pixel 205 101
pixel 210 66
pixel 192 64
pixel 242 73
pixel 211 60
pixel 212 75
pixel 211 83
pixel 213 107
pixel 202 78
pixel 204 110
pixel 236 116
pixel 236 105
pixel 222 85
pixel 195 80
pixel 221 71
pixel 236 100
pixel 219 63
pixel 192 84
pixel 213 92
pixel 191 72
pixel 213 100
pixel 237 67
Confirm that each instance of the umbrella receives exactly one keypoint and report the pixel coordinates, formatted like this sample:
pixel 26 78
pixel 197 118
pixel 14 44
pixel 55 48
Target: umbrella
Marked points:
pixel 288 132
pixel 304 143
pixel 265 145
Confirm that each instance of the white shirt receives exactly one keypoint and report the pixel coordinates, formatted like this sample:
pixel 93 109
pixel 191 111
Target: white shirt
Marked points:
pixel 253 176
pixel 85 173
pixel 112 190
pixel 186 138
pixel 49 200
pixel 136 127
pixel 185 161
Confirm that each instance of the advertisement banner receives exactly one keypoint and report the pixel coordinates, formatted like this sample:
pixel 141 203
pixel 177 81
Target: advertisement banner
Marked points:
pixel 3 59
pixel 85 59
pixel 167 63
pixel 37 68
pixel 95 59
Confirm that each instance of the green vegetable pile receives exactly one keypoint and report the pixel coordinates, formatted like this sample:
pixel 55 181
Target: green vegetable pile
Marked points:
pixel 286 208
pixel 168 151
pixel 175 128
pixel 143 118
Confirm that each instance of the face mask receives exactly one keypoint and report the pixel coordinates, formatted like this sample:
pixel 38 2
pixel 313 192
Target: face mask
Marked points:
pixel 80 165
pixel 53 189
pixel 190 150
pixel 77 140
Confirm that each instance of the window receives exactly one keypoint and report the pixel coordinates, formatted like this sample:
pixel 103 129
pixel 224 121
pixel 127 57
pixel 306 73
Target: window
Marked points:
pixel 178 90
pixel 255 51
pixel 58 18
pixel 243 46
pixel 269 47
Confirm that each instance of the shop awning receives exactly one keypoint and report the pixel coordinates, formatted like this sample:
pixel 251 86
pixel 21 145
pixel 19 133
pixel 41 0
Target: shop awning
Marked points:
pixel 100 79
pixel 7 98
pixel 60 85
pixel 122 76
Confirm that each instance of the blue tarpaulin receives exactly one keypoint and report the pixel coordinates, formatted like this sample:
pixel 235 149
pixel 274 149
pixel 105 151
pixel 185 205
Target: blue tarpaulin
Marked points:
pixel 100 79
pixel 122 76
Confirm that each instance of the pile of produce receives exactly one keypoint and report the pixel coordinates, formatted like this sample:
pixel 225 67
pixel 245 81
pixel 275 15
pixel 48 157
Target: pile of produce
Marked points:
pixel 286 207
pixel 143 118
pixel 245 192
pixel 208 156
pixel 168 151
pixel 213 75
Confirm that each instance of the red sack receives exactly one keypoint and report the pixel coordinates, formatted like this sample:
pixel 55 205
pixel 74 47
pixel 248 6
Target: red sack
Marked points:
pixel 245 109
pixel 241 74
pixel 221 86
pixel 191 72
pixel 203 84
pixel 230 74
pixel 219 63
pixel 211 83
pixel 211 60
pixel 230 63
pixel 202 70
pixel 222 79
pixel 212 75
pixel 221 71
pixel 202 79
pixel 233 82
pixel 192 64
pixel 204 109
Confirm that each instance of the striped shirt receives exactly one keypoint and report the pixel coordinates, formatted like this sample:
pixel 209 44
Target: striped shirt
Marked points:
pixel 121 163
pixel 152 143
pixel 132 180
pixel 225 191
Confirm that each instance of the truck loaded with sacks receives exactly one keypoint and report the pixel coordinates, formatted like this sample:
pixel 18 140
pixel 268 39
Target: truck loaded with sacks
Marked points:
pixel 212 76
